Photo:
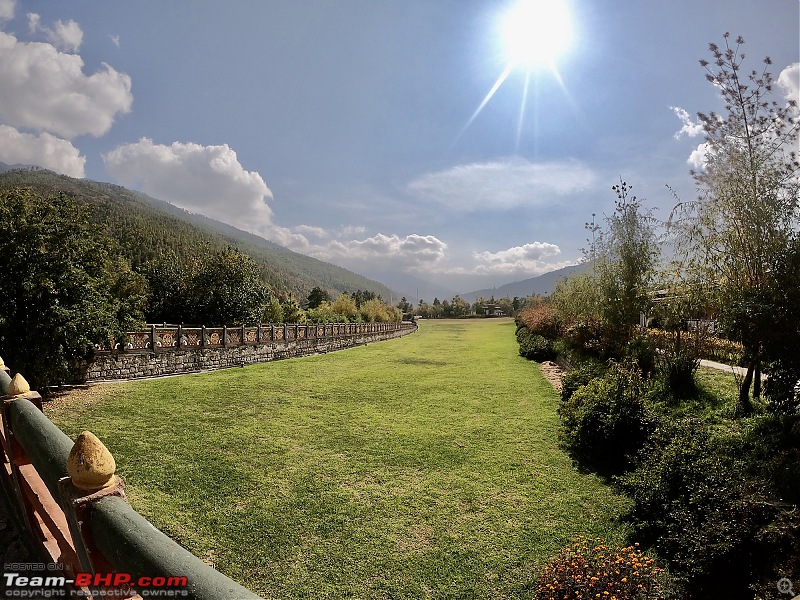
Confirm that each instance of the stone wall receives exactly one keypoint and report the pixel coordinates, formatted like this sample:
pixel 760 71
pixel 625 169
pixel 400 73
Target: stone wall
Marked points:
pixel 291 343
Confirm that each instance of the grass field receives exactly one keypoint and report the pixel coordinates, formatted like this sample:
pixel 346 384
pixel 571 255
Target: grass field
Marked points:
pixel 421 467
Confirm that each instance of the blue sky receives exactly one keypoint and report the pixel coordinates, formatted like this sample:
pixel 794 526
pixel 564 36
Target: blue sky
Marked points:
pixel 345 130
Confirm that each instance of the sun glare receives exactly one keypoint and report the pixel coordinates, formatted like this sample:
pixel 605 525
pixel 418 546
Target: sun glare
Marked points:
pixel 536 32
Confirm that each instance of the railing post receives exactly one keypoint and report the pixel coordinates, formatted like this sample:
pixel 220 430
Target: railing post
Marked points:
pixel 242 339
pixel 153 347
pixel 202 336
pixel 178 337
pixel 224 335
pixel 90 469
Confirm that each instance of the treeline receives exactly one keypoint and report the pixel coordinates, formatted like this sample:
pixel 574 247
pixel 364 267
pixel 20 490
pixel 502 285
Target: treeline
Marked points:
pixel 713 480
pixel 457 307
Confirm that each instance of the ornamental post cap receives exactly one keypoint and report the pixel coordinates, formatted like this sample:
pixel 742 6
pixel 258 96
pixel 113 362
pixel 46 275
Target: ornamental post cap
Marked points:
pixel 90 465
pixel 18 386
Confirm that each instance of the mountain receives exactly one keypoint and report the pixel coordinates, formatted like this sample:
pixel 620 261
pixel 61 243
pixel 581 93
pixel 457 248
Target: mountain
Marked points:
pixel 543 284
pixel 147 228
pixel 18 167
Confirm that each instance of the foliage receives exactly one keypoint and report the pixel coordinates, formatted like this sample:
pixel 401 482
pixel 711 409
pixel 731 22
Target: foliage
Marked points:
pixel 316 297
pixel 579 376
pixel 742 225
pixel 626 254
pixel 533 346
pixel 273 311
pixel 695 504
pixel 589 568
pixel 324 313
pixel 346 305
pixel 64 287
pixel 606 421
pixel 292 311
pixel 540 320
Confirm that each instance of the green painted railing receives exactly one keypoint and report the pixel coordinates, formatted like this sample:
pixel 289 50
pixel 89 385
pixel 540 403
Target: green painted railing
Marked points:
pixel 85 530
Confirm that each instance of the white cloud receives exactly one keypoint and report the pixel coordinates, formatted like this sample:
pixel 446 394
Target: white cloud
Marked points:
pixel 699 156
pixel 7 10
pixel 528 259
pixel 504 184
pixel 318 232
pixel 114 40
pixel 205 179
pixel 411 251
pixel 43 149
pixel 789 80
pixel 65 36
pixel 46 90
pixel 690 128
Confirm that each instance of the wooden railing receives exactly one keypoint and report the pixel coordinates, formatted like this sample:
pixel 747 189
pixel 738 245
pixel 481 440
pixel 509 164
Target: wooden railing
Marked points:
pixel 66 495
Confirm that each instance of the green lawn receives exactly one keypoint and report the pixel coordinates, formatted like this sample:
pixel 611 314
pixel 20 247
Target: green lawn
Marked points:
pixel 421 467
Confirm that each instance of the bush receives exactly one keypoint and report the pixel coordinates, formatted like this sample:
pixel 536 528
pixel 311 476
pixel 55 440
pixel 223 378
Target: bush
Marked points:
pixel 540 320
pixel 534 347
pixel 591 569
pixel 606 420
pixel 580 376
pixel 643 351
pixel 695 505
pixel 677 372
pixel 783 388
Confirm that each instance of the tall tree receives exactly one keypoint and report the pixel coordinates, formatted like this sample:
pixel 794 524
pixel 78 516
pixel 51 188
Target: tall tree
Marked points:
pixel 65 287
pixel 747 213
pixel 317 296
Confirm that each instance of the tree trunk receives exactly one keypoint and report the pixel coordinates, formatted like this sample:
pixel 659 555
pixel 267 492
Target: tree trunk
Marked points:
pixel 757 381
pixel 745 407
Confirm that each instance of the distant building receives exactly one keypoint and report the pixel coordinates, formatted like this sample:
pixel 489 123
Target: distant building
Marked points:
pixel 493 310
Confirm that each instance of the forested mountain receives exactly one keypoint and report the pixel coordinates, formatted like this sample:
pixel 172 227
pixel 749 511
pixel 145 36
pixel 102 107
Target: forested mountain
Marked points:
pixel 148 228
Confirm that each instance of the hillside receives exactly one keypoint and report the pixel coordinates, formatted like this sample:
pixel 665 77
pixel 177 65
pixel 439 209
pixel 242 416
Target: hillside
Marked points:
pixel 148 228
pixel 543 284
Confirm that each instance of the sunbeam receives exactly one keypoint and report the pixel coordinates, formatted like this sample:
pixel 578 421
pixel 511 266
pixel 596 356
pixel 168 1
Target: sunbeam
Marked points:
pixel 488 97
pixel 522 109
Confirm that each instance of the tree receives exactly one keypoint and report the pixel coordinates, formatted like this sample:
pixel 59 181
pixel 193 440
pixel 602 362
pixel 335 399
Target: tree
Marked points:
pixel 747 213
pixel 166 278
pixel 226 290
pixel 626 259
pixel 317 296
pixel 65 287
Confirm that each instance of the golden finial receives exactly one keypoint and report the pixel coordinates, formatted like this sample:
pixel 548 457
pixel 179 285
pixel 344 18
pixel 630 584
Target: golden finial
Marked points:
pixel 90 464
pixel 18 386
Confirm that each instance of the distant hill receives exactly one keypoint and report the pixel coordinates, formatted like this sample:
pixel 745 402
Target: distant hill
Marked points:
pixel 543 284
pixel 147 228
pixel 6 167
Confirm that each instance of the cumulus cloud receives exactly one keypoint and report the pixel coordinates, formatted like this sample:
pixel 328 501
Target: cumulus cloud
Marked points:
pixel 46 90
pixel 528 259
pixel 690 128
pixel 414 251
pixel 205 179
pixel 504 184
pixel 789 80
pixel 7 10
pixel 43 149
pixel 66 36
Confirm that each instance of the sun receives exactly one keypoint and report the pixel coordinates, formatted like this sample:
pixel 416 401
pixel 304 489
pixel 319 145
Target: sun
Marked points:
pixel 535 33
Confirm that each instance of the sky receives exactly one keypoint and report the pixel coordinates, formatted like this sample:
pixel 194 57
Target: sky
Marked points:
pixel 403 140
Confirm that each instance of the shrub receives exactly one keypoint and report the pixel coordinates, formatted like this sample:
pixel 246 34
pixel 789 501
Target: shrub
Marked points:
pixel 534 347
pixel 721 533
pixel 643 351
pixel 606 420
pixel 540 320
pixel 580 376
pixel 591 569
